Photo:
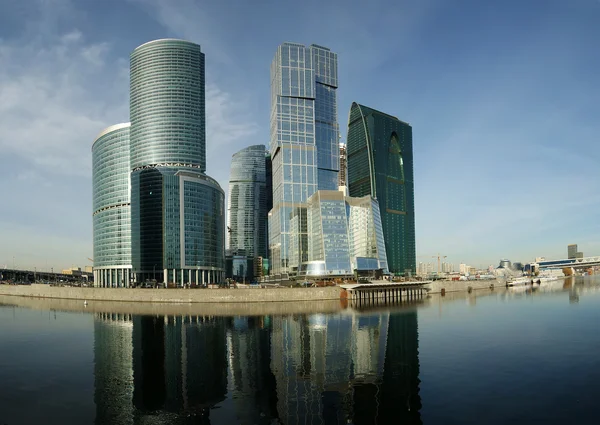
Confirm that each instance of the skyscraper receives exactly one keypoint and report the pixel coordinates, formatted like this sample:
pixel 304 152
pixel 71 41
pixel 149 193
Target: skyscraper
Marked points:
pixel 247 203
pixel 304 145
pixel 111 207
pixel 157 215
pixel 380 164
pixel 177 221
pixel 572 251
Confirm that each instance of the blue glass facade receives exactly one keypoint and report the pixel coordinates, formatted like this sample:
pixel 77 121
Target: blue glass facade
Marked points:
pixel 167 105
pixel 178 225
pixel 177 212
pixel 248 202
pixel 111 207
pixel 304 145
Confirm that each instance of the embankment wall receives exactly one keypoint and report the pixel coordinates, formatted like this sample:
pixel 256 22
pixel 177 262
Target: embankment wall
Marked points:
pixel 174 295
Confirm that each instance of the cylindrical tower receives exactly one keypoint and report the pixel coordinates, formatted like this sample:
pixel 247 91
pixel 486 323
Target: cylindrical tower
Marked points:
pixel 247 218
pixel 167 105
pixel 177 217
pixel 111 207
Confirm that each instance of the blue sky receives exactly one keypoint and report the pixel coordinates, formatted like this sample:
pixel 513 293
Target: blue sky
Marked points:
pixel 503 98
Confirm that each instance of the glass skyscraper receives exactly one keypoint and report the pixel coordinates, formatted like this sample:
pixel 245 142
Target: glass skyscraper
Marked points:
pixel 111 207
pixel 380 164
pixel 247 203
pixel 175 231
pixel 304 145
pixel 178 217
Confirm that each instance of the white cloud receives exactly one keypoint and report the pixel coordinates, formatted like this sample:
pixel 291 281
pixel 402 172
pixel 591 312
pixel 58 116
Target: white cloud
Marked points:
pixel 227 126
pixel 189 20
pixel 54 100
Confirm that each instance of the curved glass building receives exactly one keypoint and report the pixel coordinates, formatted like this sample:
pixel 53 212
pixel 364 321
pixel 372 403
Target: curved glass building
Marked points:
pixel 177 212
pixel 247 203
pixel 380 164
pixel 111 207
pixel 166 105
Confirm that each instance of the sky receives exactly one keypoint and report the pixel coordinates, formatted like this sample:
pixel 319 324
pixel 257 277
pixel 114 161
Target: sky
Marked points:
pixel 503 98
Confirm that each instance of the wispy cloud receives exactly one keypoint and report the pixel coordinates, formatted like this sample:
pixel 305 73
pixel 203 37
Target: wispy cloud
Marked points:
pixel 54 101
pixel 228 129
pixel 229 117
pixel 188 19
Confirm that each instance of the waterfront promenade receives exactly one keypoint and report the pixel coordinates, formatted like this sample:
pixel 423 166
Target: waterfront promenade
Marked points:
pixel 210 296
pixel 176 296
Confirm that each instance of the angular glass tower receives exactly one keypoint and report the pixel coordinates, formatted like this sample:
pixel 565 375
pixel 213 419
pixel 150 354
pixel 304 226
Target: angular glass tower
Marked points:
pixel 344 235
pixel 304 145
pixel 177 212
pixel 380 164
pixel 111 206
pixel 247 204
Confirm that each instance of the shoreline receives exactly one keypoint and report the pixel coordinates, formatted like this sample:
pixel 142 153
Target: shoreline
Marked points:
pixel 22 299
pixel 284 295
pixel 176 295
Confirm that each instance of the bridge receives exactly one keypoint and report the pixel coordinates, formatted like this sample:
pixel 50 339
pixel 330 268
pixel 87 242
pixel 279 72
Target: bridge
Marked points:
pixel 33 276
pixel 573 263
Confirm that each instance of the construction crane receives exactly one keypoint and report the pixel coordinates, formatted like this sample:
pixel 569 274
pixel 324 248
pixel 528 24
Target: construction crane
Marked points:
pixel 438 258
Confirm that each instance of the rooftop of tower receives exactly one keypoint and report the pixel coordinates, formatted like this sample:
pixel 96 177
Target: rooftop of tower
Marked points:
pixel 109 129
pixel 165 39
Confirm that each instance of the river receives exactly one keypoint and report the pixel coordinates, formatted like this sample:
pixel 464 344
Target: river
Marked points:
pixel 490 357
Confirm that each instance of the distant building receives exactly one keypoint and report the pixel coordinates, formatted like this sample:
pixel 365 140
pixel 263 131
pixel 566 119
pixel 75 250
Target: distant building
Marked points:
pixel 572 251
pixel 343 167
pixel 380 164
pixel 247 203
pixel 238 265
pixel 463 269
pixel 73 271
pixel 447 268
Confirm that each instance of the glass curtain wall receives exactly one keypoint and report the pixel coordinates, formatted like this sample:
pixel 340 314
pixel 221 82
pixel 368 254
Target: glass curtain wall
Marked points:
pixel 380 164
pixel 111 207
pixel 303 130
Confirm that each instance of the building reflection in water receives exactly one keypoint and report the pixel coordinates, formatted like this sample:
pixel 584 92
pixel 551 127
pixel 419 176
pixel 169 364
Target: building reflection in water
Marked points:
pixel 302 369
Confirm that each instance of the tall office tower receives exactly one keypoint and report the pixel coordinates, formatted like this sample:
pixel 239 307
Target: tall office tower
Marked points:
pixel 572 251
pixel 304 145
pixel 177 212
pixel 247 204
pixel 380 164
pixel 112 209
pixel 342 181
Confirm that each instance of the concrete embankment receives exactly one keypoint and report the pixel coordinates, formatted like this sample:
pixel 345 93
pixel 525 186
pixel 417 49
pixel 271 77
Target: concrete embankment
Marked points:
pixel 436 287
pixel 186 296
pixel 170 309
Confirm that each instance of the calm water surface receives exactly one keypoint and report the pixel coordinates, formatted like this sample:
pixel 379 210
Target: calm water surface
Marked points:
pixel 507 357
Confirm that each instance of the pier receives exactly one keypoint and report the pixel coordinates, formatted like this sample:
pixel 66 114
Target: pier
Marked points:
pixel 383 292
